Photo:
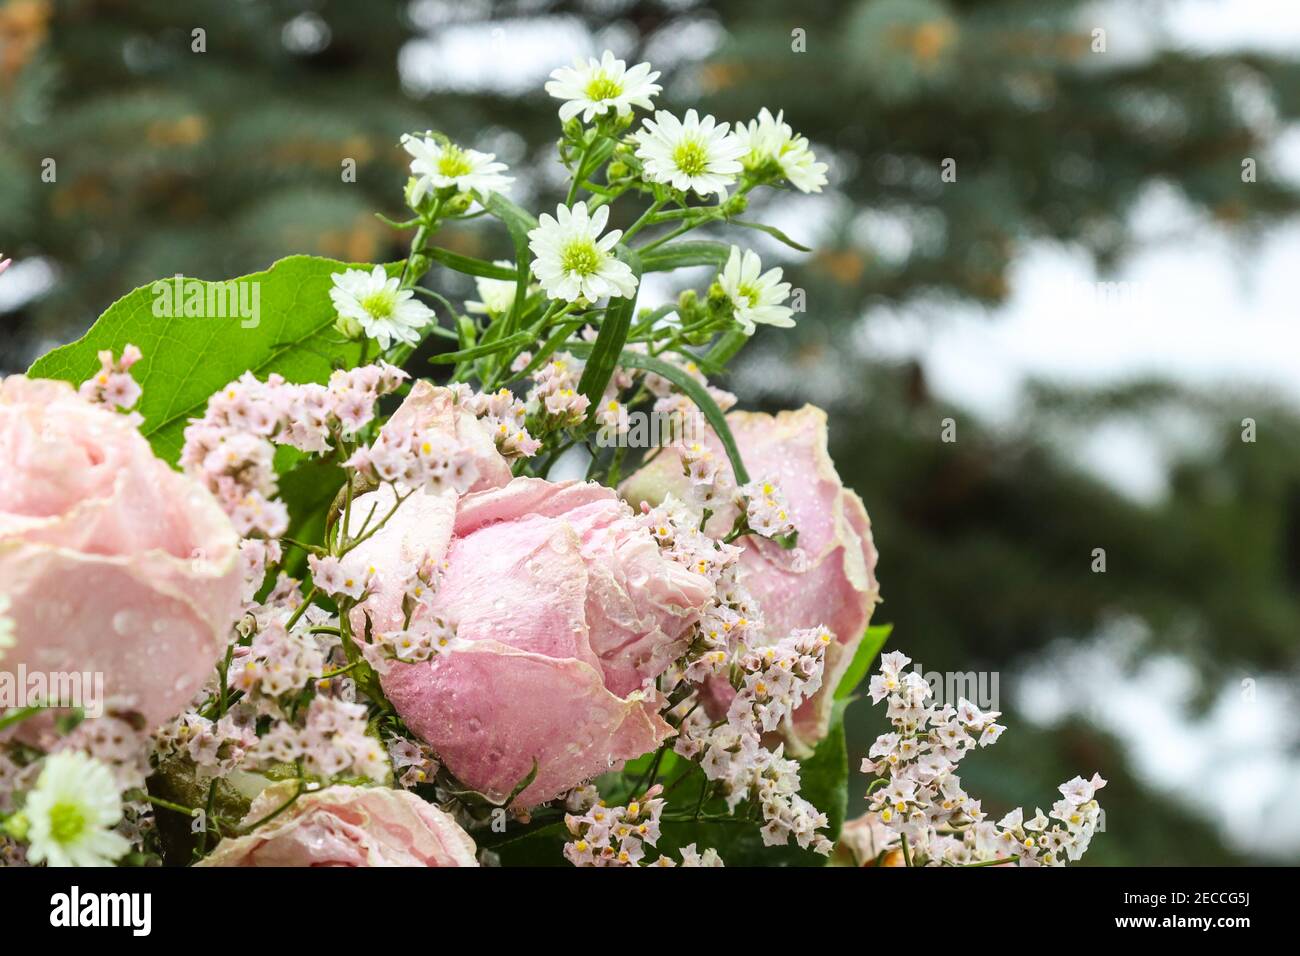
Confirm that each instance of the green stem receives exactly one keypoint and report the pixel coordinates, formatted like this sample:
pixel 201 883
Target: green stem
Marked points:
pixel 301 610
pixel 19 715
pixel 644 221
pixel 580 173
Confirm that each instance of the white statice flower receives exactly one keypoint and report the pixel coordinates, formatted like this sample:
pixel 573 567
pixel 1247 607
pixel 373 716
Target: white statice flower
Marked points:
pixel 574 260
pixel 755 295
pixel 385 312
pixel 442 165
pixel 71 812
pixel 770 139
pixel 691 154
pixel 495 296
pixel 595 87
pixel 692 857
pixel 6 626
pixel 918 801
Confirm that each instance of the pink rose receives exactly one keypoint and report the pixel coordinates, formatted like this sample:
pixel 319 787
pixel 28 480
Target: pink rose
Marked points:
pixel 346 826
pixel 111 562
pixel 836 586
pixel 566 611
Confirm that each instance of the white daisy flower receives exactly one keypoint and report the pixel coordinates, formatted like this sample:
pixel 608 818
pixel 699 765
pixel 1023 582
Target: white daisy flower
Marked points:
pixel 693 154
pixel 71 813
pixel 386 313
pixel 440 165
pixel 770 138
pixel 595 87
pixel 756 298
pixel 574 261
pixel 7 639
pixel 495 296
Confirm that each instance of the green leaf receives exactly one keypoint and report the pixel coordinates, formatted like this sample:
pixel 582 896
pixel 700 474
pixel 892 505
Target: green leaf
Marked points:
pixel 188 358
pixel 771 231
pixel 308 486
pixel 519 222
pixel 611 338
pixel 727 345
pixel 679 255
pixel 872 641
pixel 516 218
pixel 478 351
pixel 469 265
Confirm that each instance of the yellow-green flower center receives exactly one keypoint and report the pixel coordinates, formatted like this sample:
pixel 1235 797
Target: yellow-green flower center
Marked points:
pixel 603 88
pixel 379 304
pixel 66 822
pixel 580 256
pixel 691 157
pixel 454 162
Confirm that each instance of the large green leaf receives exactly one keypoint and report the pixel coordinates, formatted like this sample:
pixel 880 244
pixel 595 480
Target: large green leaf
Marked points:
pixel 187 358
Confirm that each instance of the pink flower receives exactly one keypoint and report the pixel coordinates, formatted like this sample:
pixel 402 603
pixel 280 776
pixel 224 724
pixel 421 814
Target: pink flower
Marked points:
pixel 112 562
pixel 834 584
pixel 346 826
pixel 565 612
pixel 430 410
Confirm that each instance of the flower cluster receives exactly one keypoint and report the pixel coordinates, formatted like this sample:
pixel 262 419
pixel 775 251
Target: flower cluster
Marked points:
pixel 279 661
pixel 779 677
pixel 766 510
pixel 732 616
pixel 772 147
pixel 413 760
pixel 231 448
pixel 918 797
pixel 335 742
pixel 506 417
pixel 424 637
pixel 617 836
pixel 773 681
pixel 216 747
pixel 113 385
pixel 555 392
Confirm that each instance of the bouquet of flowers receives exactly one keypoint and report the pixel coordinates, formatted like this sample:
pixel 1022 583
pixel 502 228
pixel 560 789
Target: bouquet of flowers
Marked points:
pixel 267 597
